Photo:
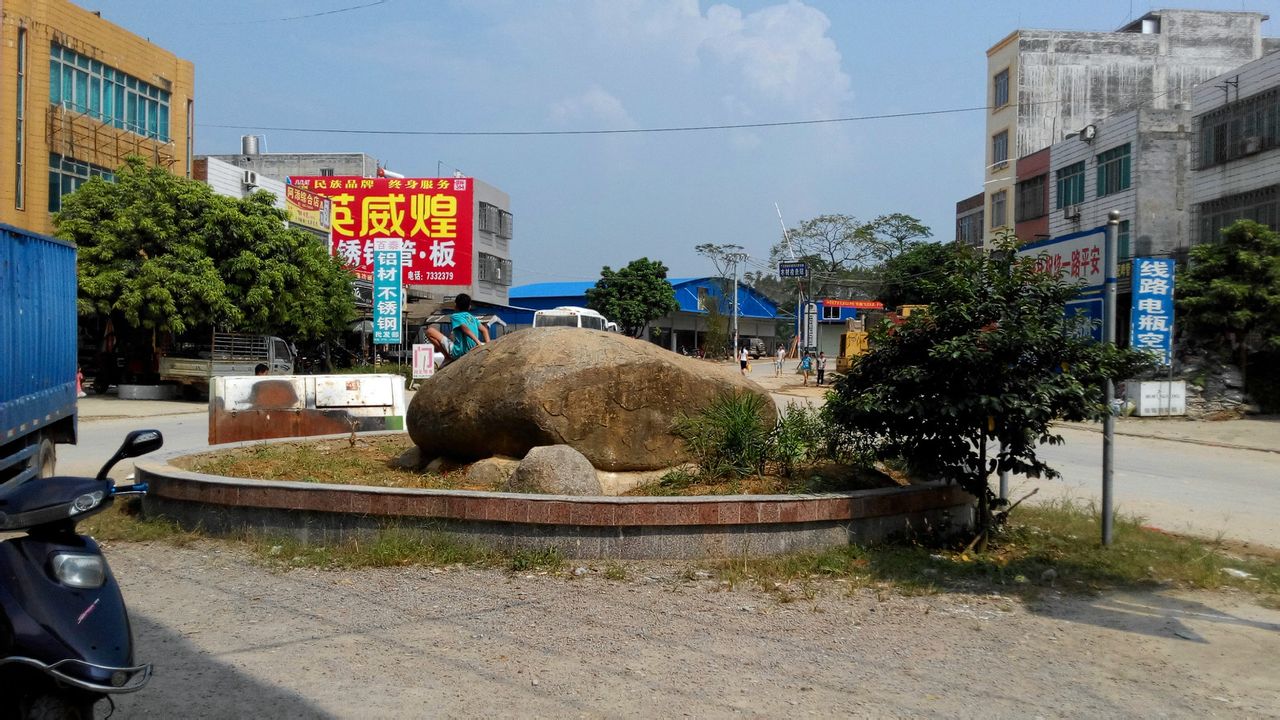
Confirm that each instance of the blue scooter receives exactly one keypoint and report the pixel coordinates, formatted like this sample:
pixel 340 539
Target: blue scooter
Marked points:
pixel 65 640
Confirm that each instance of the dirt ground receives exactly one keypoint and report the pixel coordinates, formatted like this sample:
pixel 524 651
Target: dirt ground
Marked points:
pixel 231 638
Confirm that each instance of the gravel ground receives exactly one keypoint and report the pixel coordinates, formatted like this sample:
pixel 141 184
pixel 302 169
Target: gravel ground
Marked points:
pixel 231 638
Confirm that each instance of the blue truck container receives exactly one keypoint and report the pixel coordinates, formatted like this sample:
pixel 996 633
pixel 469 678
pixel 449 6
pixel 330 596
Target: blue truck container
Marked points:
pixel 37 352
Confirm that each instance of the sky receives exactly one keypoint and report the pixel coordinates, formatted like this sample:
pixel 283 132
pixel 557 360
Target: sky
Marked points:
pixel 584 201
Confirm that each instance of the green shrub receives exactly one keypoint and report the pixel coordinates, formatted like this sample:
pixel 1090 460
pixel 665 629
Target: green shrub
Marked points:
pixel 800 439
pixel 730 437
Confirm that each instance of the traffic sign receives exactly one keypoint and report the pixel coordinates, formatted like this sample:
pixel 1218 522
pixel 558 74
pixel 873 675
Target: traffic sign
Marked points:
pixel 793 270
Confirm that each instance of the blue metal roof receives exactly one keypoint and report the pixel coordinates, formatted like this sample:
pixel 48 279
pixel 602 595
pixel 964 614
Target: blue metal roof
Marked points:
pixel 750 302
pixel 551 289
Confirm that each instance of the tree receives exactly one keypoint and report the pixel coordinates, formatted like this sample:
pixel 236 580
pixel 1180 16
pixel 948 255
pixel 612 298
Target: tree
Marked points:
pixel 839 250
pixel 160 252
pixel 896 231
pixel 1229 297
pixel 633 295
pixel 990 360
pixel 903 277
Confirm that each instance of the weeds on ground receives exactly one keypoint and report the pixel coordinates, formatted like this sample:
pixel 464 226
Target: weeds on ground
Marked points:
pixel 122 523
pixel 1054 545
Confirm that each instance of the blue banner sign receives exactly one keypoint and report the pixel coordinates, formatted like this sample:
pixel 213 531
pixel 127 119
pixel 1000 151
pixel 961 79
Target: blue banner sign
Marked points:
pixel 793 270
pixel 1151 320
pixel 1084 318
pixel 386 291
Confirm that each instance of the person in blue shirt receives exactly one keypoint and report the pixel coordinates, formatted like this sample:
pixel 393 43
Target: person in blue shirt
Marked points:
pixel 806 366
pixel 465 332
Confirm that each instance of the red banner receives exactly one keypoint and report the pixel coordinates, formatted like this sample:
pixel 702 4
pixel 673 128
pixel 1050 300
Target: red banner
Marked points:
pixel 859 304
pixel 432 216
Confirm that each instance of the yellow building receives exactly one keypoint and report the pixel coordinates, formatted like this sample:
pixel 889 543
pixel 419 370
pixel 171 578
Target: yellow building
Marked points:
pixel 79 94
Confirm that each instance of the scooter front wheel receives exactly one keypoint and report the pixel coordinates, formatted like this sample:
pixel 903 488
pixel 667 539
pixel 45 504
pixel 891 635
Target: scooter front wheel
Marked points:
pixel 59 706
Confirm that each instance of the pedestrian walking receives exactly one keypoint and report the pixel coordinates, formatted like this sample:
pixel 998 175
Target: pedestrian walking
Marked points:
pixel 778 358
pixel 806 366
pixel 822 366
pixel 743 358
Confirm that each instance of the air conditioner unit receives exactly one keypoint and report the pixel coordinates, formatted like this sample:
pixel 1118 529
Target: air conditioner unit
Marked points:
pixel 250 178
pixel 1071 212
pixel 1252 144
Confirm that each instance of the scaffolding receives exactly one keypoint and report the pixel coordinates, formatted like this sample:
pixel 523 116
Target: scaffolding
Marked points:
pixel 84 138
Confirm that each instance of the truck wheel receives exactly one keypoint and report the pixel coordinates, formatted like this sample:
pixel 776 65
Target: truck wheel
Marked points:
pixel 46 458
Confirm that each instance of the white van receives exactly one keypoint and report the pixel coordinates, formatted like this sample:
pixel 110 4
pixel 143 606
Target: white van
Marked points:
pixel 570 316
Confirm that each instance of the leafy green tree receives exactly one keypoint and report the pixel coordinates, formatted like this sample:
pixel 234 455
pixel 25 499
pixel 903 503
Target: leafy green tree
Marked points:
pixel 633 295
pixel 1229 297
pixel 990 361
pixel 160 252
pixel 903 277
pixel 896 231
pixel 839 250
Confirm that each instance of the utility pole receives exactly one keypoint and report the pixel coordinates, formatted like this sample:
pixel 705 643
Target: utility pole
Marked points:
pixel 735 258
pixel 1109 396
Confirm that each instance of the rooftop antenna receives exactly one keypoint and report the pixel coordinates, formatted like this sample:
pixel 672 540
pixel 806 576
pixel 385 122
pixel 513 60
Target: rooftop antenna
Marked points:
pixel 786 239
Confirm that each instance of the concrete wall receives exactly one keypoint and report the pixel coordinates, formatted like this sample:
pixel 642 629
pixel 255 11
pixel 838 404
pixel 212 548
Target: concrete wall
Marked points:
pixel 227 179
pixel 52 130
pixel 1243 174
pixel 282 165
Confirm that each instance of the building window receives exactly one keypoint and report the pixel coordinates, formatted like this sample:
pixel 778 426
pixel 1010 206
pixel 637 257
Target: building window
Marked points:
pixel 1122 240
pixel 490 218
pixel 1000 86
pixel 326 172
pixel 1113 170
pixel 495 269
pixel 1031 200
pixel 67 175
pixel 1070 185
pixel 1261 206
pixel 505 224
pixel 19 184
pixel 830 312
pixel 969 229
pixel 83 85
pixel 1241 128
pixel 1000 147
pixel 998 201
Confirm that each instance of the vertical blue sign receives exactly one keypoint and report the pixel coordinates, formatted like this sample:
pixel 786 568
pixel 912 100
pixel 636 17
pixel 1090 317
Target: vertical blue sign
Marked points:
pixel 1151 320
pixel 386 291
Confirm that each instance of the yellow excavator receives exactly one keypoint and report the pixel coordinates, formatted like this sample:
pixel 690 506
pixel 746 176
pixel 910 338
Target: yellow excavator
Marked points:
pixel 856 341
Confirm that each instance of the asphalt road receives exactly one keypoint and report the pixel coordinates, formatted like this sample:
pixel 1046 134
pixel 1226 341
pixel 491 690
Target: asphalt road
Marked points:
pixel 100 438
pixel 1177 486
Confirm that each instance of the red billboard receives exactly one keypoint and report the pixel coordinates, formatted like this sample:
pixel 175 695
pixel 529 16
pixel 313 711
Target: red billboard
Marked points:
pixel 432 217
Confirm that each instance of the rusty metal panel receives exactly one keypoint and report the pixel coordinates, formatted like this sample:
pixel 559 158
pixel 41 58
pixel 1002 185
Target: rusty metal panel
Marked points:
pixel 257 408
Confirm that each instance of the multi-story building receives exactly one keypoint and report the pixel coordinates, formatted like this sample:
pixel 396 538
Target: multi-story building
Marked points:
pixel 79 95
pixel 1236 165
pixel 1045 84
pixel 1031 197
pixel 969 214
pixel 492 229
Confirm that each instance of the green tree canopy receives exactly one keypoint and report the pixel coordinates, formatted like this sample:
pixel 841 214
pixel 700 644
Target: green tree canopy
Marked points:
pixel 1229 297
pixel 633 295
pixel 990 360
pixel 896 231
pixel 904 277
pixel 162 252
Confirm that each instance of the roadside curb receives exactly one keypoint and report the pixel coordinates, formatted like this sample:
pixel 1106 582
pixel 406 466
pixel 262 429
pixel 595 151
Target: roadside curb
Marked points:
pixel 1149 436
pixel 140 416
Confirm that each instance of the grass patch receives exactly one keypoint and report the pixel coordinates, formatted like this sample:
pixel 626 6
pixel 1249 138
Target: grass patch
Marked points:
pixel 122 523
pixel 1051 545
pixel 362 461
pixel 392 547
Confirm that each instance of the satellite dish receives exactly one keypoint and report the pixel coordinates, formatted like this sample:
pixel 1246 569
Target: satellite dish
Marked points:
pixel 1089 133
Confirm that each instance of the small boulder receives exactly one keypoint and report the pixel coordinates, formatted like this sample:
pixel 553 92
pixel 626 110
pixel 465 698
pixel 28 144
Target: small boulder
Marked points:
pixel 492 472
pixel 555 470
pixel 410 459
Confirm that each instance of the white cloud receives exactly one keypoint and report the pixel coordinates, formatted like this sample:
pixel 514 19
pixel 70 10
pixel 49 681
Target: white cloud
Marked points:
pixel 594 105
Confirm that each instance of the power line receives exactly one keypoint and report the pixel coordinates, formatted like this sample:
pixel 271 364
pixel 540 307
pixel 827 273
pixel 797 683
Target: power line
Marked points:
pixel 300 17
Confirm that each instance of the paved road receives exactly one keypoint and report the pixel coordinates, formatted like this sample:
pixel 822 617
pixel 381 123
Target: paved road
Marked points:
pixel 99 438
pixel 1177 486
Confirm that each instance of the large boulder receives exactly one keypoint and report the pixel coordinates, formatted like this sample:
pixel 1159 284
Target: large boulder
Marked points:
pixel 610 397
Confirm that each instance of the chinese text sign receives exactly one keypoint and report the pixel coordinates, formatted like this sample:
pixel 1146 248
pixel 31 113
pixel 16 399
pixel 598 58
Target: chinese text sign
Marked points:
pixel 386 291
pixel 306 208
pixel 1078 259
pixel 1151 320
pixel 432 216
pixel 793 270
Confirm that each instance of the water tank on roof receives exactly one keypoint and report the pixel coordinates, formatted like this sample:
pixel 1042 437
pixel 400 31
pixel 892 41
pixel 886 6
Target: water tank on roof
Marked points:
pixel 249 144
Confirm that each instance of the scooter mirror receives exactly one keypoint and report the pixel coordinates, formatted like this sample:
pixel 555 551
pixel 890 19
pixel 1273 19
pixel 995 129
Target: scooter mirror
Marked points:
pixel 138 442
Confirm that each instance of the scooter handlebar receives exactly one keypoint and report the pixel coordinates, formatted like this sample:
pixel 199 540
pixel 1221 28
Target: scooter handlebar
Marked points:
pixel 134 489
